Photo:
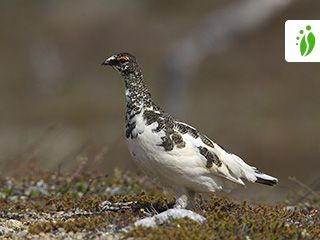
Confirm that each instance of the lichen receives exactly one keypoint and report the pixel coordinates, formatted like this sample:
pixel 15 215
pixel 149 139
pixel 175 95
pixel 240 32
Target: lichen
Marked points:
pixel 230 220
pixel 48 203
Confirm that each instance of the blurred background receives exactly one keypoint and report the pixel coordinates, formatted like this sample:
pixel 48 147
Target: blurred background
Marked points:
pixel 218 65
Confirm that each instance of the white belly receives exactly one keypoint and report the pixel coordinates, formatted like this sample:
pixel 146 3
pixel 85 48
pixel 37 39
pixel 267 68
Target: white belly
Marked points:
pixel 180 167
pixel 147 153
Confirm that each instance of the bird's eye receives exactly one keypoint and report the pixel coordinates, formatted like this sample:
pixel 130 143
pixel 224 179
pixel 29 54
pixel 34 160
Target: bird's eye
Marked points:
pixel 123 59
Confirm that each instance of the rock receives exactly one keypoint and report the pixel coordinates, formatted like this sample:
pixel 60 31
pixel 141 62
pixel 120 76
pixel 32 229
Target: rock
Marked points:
pixel 167 216
pixel 12 223
pixel 5 231
pixel 289 208
pixel 22 234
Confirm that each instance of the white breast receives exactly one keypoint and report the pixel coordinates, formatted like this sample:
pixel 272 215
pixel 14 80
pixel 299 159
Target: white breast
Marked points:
pixel 144 148
pixel 176 168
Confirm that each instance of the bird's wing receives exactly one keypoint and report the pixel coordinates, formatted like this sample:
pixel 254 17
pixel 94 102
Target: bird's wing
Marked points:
pixel 219 161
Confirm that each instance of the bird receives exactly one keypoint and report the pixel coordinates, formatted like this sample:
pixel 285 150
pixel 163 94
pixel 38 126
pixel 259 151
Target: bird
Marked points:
pixel 175 154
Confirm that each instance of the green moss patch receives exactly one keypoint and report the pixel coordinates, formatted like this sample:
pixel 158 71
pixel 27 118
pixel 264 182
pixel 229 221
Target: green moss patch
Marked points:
pixel 80 224
pixel 229 220
pixel 56 204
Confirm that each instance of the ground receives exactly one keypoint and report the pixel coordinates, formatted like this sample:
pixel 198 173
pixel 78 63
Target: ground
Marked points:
pixel 60 206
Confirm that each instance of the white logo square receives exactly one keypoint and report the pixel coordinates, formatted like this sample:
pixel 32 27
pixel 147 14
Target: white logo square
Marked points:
pixel 302 40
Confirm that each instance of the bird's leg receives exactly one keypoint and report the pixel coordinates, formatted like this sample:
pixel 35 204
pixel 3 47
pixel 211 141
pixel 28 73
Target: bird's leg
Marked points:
pixel 181 201
pixel 192 199
pixel 185 200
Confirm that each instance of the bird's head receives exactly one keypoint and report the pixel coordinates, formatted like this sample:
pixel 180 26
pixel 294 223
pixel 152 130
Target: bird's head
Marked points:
pixel 122 62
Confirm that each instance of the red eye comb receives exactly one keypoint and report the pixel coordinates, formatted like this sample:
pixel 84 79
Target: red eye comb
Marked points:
pixel 123 58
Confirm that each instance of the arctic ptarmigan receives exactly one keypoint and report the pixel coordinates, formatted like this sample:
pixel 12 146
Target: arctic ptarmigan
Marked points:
pixel 181 158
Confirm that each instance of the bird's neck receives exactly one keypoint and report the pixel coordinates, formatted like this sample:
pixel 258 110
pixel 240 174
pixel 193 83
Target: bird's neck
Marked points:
pixel 137 94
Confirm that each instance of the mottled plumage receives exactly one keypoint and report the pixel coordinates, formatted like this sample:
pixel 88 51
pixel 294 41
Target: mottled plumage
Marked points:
pixel 175 153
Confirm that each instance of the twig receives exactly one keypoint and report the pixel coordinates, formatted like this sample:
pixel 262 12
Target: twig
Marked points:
pixel 82 163
pixel 301 184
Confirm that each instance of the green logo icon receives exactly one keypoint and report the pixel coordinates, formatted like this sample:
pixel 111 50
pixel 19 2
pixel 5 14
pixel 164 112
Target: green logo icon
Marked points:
pixel 307 41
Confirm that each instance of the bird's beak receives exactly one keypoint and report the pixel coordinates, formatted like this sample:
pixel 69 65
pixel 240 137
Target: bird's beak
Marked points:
pixel 109 61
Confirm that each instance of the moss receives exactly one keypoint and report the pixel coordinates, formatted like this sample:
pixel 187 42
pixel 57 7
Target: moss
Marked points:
pixel 79 199
pixel 157 203
pixel 229 220
pixel 79 224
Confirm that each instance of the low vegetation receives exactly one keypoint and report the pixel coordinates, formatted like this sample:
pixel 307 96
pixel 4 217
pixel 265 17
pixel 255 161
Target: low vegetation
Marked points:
pixel 57 206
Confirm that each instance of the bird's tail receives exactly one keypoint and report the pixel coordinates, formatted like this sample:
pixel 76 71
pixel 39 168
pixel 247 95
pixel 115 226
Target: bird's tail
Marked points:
pixel 242 170
pixel 265 179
